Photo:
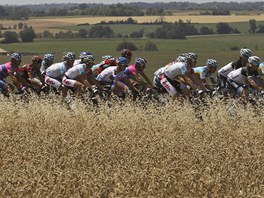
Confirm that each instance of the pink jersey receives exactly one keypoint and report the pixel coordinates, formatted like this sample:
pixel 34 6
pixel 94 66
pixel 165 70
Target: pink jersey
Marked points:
pixel 132 71
pixel 6 69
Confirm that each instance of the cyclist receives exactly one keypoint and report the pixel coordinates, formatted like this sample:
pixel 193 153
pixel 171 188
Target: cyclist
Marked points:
pixel 136 71
pixel 31 72
pixel 77 75
pixel 177 75
pixel 158 74
pixel 224 71
pixel 56 71
pixel 206 72
pixel 47 61
pixel 240 80
pixel 10 69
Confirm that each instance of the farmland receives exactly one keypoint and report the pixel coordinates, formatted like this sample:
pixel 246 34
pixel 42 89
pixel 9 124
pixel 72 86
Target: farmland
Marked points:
pixel 54 24
pixel 48 150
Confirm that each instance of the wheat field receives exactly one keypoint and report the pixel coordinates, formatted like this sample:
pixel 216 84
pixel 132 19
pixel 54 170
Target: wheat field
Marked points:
pixel 49 150
pixel 54 24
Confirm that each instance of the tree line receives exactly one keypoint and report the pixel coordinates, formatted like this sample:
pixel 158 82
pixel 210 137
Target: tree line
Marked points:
pixel 126 9
pixel 177 30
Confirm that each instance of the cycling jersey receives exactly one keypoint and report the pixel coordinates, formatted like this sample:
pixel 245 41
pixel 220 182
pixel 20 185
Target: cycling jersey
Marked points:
pixel 77 62
pixel 224 71
pixel 27 70
pixel 239 76
pixel 175 69
pixel 202 71
pixel 6 69
pixel 77 70
pixel 261 68
pixel 57 70
pixel 132 71
pixel 107 75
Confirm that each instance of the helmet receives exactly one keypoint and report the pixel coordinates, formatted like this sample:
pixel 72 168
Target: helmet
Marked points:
pixel 88 58
pixel 126 53
pixel 16 56
pixel 181 58
pixel 212 62
pixel 106 57
pixel 254 60
pixel 246 52
pixel 122 61
pixel 36 59
pixel 191 56
pixel 141 62
pixel 48 57
pixel 69 56
pixel 83 54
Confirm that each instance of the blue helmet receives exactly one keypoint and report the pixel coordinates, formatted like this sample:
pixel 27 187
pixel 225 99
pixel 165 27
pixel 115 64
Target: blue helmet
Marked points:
pixel 84 54
pixel 122 61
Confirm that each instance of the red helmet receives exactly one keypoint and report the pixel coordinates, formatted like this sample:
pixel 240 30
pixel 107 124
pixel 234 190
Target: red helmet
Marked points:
pixel 126 53
pixel 36 59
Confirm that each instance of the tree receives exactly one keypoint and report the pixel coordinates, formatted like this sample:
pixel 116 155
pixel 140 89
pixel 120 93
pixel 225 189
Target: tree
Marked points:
pixel 83 33
pixel 137 34
pixel 150 46
pixel 100 31
pixel 223 28
pixel 206 30
pixel 10 37
pixel 252 26
pixel 28 35
pixel 126 45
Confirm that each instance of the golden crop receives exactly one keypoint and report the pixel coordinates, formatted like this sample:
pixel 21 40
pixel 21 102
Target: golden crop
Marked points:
pixel 48 150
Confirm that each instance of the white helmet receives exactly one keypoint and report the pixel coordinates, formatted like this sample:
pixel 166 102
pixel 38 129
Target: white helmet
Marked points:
pixel 212 62
pixel 181 59
pixel 68 56
pixel 254 60
pixel 245 52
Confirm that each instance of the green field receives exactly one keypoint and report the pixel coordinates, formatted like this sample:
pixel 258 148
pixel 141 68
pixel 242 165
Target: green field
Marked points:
pixel 217 47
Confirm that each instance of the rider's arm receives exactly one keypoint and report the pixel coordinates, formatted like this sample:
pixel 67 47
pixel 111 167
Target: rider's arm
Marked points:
pixel 128 84
pixel 252 82
pixel 189 81
pixel 85 81
pixel 147 79
pixel 94 81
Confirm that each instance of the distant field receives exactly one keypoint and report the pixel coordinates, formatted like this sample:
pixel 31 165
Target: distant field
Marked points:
pixel 217 47
pixel 54 24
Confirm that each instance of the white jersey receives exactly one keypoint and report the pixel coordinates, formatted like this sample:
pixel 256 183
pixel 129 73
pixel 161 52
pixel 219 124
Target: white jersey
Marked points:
pixel 107 74
pixel 224 71
pixel 77 62
pixel 236 76
pixel 175 69
pixel 159 72
pixel 76 70
pixel 57 70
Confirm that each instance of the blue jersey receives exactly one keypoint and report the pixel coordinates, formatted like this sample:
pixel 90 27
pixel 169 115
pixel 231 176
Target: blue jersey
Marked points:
pixel 202 71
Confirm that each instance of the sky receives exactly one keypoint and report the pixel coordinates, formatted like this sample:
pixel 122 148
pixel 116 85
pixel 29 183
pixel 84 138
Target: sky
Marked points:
pixel 23 2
